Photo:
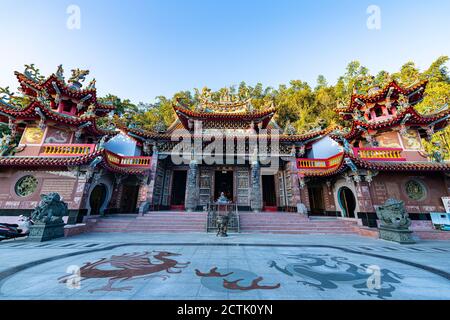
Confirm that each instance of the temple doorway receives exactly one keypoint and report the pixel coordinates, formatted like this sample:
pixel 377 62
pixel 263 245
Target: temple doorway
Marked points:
pixel 129 198
pixel 316 202
pixel 347 202
pixel 97 199
pixel 178 193
pixel 223 182
pixel 269 197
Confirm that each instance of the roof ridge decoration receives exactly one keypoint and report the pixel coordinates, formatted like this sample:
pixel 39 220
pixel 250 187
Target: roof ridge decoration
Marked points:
pixel 77 78
pixel 33 73
pixel 228 102
pixel 10 101
pixel 36 87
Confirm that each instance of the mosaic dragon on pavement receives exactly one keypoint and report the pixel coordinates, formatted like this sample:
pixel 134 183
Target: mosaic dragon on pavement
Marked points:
pixel 128 266
pixel 326 272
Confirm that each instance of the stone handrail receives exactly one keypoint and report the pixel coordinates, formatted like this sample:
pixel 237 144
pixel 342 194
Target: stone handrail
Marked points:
pixel 125 161
pixel 310 163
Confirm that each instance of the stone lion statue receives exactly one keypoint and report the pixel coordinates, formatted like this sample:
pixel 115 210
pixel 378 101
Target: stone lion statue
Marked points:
pixel 393 214
pixel 50 209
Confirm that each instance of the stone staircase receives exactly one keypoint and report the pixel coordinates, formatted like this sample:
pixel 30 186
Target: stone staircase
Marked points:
pixel 292 223
pixel 264 222
pixel 154 222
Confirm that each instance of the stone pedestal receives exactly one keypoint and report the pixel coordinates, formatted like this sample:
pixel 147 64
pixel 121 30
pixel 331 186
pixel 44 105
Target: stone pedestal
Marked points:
pixel 394 222
pixel 44 232
pixel 396 235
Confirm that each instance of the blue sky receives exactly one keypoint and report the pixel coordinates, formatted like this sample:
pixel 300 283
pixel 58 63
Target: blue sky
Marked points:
pixel 141 49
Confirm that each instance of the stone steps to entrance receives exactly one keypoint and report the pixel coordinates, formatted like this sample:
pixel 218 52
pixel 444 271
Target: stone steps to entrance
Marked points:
pixel 291 223
pixel 264 222
pixel 158 222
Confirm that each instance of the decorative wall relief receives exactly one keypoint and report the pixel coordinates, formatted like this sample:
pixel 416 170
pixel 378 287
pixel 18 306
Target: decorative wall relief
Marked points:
pixel 326 272
pixel 415 190
pixel 26 186
pixel 411 140
pixel 388 140
pixel 32 135
pixel 57 136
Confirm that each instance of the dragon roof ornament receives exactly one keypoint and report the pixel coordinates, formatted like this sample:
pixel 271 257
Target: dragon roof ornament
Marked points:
pixel 33 73
pixel 227 102
pixel 77 78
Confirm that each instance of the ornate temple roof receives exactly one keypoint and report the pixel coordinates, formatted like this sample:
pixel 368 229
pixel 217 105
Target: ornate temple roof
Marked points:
pixel 236 120
pixel 230 112
pixel 407 117
pixel 34 86
pixel 391 91
pixel 42 97
pixel 31 112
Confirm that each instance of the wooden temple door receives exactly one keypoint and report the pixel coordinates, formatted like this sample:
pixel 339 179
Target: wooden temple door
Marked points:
pixel 285 190
pixel 158 187
pixel 206 181
pixel 243 187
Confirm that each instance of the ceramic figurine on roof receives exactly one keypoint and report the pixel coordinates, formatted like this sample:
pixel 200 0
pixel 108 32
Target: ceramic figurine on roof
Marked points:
pixel 78 77
pixel 289 130
pixel 60 73
pixel 33 73
pixel 6 96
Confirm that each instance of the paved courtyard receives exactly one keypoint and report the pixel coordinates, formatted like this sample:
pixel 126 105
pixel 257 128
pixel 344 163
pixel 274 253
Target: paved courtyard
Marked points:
pixel 201 266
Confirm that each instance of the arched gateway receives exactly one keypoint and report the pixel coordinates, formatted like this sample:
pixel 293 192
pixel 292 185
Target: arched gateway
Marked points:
pixel 347 202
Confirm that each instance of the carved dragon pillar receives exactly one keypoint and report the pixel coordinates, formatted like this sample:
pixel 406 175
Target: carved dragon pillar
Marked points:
pixel 149 188
pixel 192 187
pixel 256 202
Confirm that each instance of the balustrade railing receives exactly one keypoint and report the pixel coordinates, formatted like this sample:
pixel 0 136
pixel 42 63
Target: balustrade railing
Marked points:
pixel 305 163
pixel 66 150
pixel 125 161
pixel 379 154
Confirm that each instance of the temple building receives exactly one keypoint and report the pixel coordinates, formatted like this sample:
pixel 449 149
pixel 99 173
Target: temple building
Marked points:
pixel 56 145
pixel 61 139
pixel 381 157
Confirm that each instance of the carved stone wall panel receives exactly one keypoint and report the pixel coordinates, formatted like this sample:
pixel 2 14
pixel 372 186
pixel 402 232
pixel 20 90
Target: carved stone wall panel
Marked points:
pixel 243 187
pixel 206 186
